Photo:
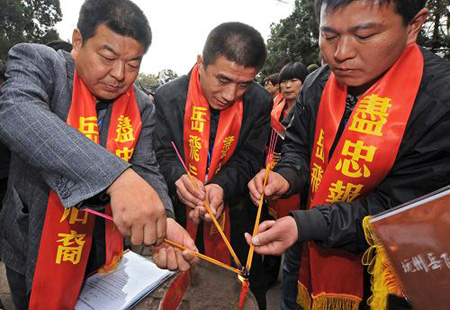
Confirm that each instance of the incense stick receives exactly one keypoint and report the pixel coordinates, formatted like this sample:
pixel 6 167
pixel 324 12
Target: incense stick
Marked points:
pixel 258 216
pixel 202 256
pixel 208 208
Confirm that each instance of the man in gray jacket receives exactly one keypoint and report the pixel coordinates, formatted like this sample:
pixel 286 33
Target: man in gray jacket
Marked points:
pixel 59 167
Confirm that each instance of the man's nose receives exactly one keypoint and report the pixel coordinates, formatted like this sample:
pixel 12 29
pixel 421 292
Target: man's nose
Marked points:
pixel 344 49
pixel 118 70
pixel 229 92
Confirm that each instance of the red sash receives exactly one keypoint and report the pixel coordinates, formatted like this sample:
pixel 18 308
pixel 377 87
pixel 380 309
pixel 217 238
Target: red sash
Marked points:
pixel 196 146
pixel 276 112
pixel 67 234
pixel 363 157
pixel 277 100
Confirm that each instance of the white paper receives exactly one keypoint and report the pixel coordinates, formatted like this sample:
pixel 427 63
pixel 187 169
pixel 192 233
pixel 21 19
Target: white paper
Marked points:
pixel 133 279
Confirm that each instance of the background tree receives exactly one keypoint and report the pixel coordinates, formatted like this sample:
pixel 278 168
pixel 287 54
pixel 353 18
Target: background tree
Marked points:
pixel 294 38
pixel 147 82
pixel 27 21
pixel 435 34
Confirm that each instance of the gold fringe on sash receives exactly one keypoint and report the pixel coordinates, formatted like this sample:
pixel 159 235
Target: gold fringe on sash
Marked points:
pixel 303 297
pixel 335 302
pixel 383 279
pixel 113 265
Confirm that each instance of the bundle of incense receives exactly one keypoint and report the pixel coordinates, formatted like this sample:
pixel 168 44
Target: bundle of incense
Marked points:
pixel 176 245
pixel 202 256
pixel 269 166
pixel 208 209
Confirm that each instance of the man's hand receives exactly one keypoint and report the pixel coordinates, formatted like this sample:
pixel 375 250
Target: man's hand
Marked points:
pixel 171 258
pixel 188 194
pixel 214 197
pixel 276 186
pixel 138 211
pixel 274 237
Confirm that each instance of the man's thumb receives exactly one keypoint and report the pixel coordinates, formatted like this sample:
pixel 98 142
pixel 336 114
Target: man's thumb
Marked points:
pixel 262 238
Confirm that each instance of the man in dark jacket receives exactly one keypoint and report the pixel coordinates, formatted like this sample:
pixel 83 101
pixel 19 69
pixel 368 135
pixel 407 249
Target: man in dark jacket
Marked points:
pixel 218 118
pixel 345 149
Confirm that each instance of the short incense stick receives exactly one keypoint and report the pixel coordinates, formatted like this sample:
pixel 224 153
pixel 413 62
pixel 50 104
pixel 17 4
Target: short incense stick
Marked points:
pixel 208 208
pixel 202 256
pixel 176 245
pixel 258 216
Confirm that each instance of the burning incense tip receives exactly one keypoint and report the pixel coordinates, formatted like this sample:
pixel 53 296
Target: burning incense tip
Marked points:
pixel 244 291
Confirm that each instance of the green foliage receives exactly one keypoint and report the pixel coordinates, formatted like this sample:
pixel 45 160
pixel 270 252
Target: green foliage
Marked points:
pixel 435 34
pixel 294 38
pixel 27 21
pixel 147 82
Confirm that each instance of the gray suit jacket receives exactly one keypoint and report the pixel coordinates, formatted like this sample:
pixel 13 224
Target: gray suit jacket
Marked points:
pixel 49 154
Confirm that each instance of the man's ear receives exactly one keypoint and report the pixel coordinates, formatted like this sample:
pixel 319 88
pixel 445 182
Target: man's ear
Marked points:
pixel 415 25
pixel 200 63
pixel 77 43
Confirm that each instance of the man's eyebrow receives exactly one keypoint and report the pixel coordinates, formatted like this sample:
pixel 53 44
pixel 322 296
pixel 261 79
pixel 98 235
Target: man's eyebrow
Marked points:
pixel 328 29
pixel 370 25
pixel 109 48
pixel 223 77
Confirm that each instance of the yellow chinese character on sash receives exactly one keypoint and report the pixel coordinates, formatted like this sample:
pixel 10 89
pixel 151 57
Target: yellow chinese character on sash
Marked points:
pixel 89 127
pixel 197 120
pixel 357 151
pixel 125 153
pixel 341 192
pixel 371 114
pixel 124 130
pixel 73 212
pixel 316 177
pixel 195 144
pixel 71 248
pixel 320 144
pixel 227 142
pixel 193 170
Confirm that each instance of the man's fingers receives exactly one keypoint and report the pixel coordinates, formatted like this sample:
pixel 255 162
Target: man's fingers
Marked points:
pixel 137 234
pixel 183 265
pixel 265 226
pixel 161 227
pixel 190 257
pixel 171 259
pixel 149 235
pixel 186 198
pixel 160 258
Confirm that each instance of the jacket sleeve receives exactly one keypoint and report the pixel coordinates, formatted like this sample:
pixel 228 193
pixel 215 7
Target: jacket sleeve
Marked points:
pixel 144 159
pixel 248 158
pixel 70 164
pixel 421 167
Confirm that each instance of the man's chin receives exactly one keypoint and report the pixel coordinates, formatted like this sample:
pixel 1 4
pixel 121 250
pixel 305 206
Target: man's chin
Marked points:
pixel 107 95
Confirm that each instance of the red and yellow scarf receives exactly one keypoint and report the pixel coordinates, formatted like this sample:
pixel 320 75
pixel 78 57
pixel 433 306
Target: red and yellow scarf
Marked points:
pixel 67 234
pixel 196 146
pixel 363 157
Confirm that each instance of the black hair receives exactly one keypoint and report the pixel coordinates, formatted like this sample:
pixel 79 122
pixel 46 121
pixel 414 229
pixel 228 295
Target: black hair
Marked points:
pixel 60 45
pixel 237 42
pixel 273 78
pixel 121 16
pixel 406 8
pixel 293 70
